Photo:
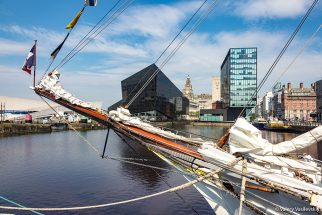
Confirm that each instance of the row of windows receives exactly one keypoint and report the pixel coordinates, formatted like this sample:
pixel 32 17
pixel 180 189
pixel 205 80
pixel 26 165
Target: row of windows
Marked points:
pixel 249 76
pixel 244 93
pixel 243 50
pixel 244 66
pixel 301 94
pixel 243 77
pixel 242 72
pixel 242 83
pixel 242 104
pixel 243 58
pixel 242 61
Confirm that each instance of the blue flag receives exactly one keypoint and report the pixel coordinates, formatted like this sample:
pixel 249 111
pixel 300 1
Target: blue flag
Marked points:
pixel 90 2
pixel 30 60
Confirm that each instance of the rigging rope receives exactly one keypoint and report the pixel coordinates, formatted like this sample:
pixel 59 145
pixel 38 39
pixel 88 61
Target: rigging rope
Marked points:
pixel 187 23
pixel 173 189
pixel 153 169
pixel 124 160
pixel 279 56
pixel 179 45
pixel 82 41
pixel 307 43
pixel 15 203
pixel 77 132
pixel 53 59
pixel 99 30
pixel 93 33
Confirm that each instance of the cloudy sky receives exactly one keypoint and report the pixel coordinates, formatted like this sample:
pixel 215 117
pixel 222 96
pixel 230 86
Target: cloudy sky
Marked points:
pixel 141 33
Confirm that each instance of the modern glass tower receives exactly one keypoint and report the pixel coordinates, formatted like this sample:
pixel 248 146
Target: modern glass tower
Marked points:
pixel 161 99
pixel 239 77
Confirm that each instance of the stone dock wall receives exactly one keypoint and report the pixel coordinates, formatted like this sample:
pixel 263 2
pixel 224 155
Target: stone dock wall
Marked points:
pixel 12 129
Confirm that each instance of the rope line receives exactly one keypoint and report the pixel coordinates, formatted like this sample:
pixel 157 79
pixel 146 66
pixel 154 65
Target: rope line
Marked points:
pixel 307 43
pixel 187 23
pixel 189 205
pixel 173 189
pixel 145 165
pixel 124 160
pixel 88 33
pixel 53 59
pixel 15 203
pixel 279 56
pixel 77 132
pixel 179 45
pixel 120 11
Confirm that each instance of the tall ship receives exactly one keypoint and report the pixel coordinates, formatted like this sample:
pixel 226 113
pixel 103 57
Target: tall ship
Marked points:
pixel 241 173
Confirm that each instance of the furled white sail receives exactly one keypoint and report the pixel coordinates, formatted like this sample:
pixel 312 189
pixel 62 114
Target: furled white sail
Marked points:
pixel 245 138
pixel 52 84
pixel 123 115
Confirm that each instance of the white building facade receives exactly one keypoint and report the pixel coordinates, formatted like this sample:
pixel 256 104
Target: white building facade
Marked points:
pixel 215 85
pixel 267 105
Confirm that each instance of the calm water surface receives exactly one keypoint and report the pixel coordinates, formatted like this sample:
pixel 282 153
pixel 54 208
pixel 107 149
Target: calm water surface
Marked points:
pixel 60 170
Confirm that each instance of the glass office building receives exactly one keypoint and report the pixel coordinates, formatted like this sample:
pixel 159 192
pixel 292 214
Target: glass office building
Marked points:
pixel 239 77
pixel 160 100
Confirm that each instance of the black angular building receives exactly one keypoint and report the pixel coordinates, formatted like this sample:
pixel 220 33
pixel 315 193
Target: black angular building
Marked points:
pixel 160 100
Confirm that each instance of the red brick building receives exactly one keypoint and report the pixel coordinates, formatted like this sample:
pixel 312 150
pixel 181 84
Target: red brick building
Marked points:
pixel 298 103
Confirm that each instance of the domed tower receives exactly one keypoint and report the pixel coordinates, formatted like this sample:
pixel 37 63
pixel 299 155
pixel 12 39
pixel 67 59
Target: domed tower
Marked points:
pixel 187 90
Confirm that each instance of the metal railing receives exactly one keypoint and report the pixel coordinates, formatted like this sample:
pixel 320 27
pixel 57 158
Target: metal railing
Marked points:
pixel 304 124
pixel 186 133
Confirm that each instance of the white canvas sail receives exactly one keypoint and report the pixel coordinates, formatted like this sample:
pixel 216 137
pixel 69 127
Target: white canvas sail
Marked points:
pixel 52 84
pixel 245 138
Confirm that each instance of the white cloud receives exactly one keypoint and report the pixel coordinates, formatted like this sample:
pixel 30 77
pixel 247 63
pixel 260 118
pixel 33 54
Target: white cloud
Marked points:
pixel 157 21
pixel 271 8
pixel 8 70
pixel 10 47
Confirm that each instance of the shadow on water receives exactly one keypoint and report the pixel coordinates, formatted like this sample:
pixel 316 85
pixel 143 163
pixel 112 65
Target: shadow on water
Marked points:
pixel 127 148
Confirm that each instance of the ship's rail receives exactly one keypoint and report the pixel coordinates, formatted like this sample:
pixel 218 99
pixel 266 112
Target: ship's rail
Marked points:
pixel 187 134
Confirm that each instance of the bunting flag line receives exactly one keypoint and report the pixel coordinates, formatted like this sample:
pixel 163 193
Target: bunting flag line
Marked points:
pixel 30 60
pixel 75 20
pixel 90 2
pixel 55 52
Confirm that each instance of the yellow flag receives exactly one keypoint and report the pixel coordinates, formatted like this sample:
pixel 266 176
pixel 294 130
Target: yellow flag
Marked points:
pixel 74 21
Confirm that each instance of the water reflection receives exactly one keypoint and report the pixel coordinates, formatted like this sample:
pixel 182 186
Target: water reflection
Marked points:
pixel 59 169
pixel 128 148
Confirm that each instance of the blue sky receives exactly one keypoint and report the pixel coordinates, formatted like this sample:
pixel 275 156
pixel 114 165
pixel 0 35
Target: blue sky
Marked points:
pixel 138 36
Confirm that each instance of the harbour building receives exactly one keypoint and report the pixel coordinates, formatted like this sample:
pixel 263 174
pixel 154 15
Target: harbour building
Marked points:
pixel 239 80
pixel 160 100
pixel 298 104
